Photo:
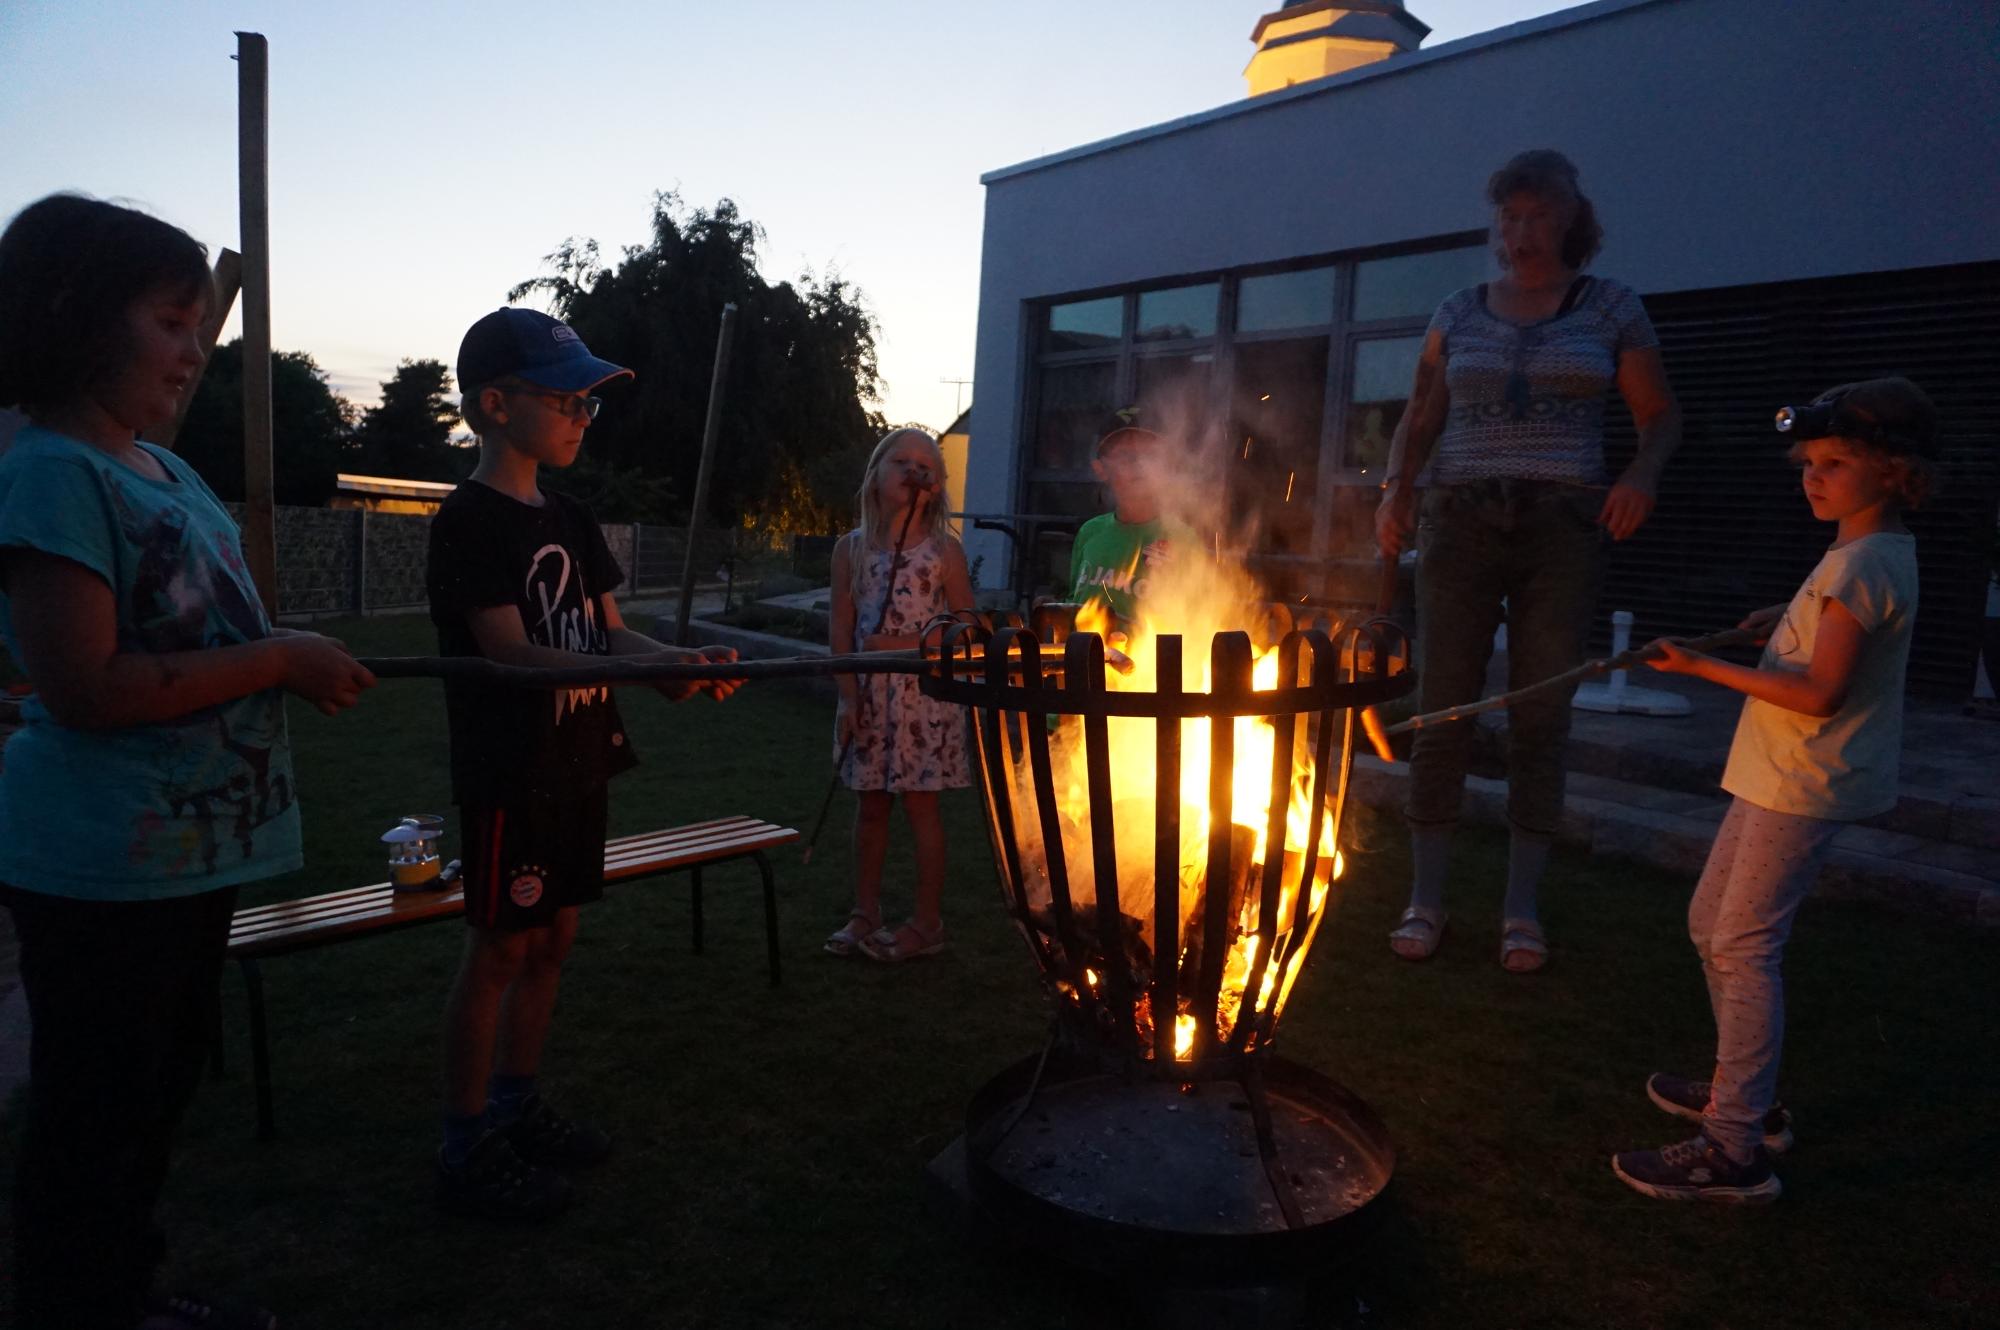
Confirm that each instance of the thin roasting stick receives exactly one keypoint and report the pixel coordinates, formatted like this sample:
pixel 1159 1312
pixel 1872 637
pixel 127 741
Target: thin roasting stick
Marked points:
pixel 1623 660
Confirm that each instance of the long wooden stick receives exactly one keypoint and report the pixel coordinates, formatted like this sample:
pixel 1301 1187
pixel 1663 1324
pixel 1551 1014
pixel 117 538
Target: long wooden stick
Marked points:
pixel 1735 637
pixel 228 278
pixel 253 189
pixel 709 432
pixel 635 670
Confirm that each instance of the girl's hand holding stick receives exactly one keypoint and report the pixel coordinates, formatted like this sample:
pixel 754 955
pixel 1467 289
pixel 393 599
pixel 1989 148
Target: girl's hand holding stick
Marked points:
pixel 321 670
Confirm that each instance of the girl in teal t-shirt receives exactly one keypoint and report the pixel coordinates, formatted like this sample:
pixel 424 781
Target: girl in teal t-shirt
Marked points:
pixel 152 773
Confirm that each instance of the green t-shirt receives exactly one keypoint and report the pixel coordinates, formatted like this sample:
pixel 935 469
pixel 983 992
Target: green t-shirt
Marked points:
pixel 1110 560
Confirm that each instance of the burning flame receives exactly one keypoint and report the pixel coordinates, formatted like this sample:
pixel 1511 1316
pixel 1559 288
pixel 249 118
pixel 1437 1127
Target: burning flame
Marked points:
pixel 1196 597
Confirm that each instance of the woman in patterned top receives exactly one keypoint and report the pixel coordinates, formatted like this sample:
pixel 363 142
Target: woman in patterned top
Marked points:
pixel 1505 433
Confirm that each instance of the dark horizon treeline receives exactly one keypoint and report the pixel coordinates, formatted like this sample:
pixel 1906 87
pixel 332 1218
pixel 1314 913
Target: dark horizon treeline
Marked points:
pixel 798 418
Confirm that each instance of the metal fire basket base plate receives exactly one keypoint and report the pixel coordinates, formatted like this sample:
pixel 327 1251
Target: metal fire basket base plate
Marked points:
pixel 1140 1177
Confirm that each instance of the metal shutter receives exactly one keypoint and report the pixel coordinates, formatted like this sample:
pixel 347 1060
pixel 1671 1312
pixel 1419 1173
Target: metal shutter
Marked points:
pixel 1732 531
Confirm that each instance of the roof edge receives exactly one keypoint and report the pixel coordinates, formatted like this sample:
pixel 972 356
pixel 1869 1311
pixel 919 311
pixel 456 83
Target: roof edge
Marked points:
pixel 1478 41
pixel 1395 12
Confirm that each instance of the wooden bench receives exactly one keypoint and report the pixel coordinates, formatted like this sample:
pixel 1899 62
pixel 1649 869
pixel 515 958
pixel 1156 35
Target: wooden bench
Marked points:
pixel 263 931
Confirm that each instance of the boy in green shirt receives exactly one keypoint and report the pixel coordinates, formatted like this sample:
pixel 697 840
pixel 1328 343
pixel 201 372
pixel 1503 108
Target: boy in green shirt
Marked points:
pixel 1115 551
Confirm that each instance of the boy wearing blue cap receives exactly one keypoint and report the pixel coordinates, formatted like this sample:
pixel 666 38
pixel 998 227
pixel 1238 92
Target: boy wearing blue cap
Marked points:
pixel 523 576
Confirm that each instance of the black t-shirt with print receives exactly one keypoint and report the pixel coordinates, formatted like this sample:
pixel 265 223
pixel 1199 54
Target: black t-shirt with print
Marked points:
pixel 551 563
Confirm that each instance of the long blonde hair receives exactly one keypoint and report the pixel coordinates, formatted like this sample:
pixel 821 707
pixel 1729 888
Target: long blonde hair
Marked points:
pixel 875 533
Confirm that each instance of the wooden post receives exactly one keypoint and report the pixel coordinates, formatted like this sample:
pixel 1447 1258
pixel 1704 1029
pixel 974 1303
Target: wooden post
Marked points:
pixel 228 281
pixel 260 543
pixel 358 573
pixel 708 435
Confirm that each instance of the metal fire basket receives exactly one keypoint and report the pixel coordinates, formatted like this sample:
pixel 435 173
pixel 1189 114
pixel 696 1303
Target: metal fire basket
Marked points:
pixel 1168 949
pixel 1113 958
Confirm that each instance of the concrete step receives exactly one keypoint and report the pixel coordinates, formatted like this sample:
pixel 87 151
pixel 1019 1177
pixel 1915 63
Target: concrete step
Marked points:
pixel 1673 829
pixel 1931 811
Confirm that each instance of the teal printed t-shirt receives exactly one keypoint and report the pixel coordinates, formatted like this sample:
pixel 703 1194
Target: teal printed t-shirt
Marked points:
pixel 148 811
pixel 1110 560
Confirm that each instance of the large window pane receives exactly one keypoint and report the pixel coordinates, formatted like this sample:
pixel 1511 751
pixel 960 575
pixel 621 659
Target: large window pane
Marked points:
pixel 1409 285
pixel 1285 300
pixel 1073 401
pixel 1083 324
pixel 1279 405
pixel 1183 311
pixel 1382 373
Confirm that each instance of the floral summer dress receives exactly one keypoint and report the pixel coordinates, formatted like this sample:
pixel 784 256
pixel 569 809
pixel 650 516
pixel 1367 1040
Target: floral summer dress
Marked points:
pixel 902 739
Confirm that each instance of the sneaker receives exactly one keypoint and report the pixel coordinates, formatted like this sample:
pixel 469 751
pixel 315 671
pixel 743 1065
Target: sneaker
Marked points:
pixel 1697 1170
pixel 545 1139
pixel 182 1310
pixel 493 1182
pixel 1689 1099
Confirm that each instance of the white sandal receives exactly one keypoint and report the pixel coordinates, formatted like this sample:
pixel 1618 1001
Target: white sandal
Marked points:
pixel 886 944
pixel 1423 929
pixel 847 939
pixel 1525 939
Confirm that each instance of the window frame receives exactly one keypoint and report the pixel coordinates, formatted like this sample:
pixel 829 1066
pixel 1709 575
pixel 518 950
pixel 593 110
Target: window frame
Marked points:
pixel 1342 331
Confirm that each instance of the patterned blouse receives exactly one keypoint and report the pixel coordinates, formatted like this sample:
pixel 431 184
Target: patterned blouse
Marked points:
pixel 903 741
pixel 1527 400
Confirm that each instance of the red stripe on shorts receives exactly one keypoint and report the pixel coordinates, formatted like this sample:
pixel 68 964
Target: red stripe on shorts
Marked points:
pixel 493 869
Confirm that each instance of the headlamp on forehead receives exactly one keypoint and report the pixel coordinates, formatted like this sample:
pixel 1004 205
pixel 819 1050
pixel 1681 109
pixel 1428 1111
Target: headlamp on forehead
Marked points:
pixel 1829 418
pixel 1809 422
pixel 1892 414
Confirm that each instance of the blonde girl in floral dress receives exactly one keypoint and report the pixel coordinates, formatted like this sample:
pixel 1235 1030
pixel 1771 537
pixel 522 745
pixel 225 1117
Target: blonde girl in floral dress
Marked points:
pixel 890 739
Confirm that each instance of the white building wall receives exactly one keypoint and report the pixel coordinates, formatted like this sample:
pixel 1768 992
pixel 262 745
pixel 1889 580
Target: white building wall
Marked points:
pixel 1724 142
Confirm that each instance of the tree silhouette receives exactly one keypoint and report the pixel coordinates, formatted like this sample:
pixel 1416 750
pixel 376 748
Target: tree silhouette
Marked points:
pixel 310 424
pixel 407 435
pixel 802 381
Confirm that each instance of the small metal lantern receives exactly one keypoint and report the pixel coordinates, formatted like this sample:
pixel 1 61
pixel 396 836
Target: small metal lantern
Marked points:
pixel 413 852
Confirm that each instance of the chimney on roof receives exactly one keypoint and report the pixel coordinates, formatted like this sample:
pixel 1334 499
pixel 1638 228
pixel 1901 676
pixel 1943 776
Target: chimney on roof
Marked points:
pixel 1311 39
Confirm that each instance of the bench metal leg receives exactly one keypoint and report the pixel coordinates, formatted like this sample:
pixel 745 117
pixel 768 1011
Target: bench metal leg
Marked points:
pixel 694 876
pixel 770 913
pixel 260 1049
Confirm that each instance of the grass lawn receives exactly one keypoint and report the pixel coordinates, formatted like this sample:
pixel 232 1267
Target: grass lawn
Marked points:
pixel 771 1145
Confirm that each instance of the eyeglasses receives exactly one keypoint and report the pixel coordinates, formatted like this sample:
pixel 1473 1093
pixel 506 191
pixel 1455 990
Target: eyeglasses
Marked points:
pixel 567 405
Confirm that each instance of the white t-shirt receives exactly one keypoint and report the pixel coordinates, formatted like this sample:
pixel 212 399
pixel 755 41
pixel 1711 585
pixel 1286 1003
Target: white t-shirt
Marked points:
pixel 1842 766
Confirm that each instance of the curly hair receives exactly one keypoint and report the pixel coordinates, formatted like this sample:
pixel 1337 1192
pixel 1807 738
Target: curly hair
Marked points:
pixel 71 267
pixel 1896 425
pixel 1547 174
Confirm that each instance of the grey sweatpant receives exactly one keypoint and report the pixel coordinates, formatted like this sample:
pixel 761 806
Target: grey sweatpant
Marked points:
pixel 1760 868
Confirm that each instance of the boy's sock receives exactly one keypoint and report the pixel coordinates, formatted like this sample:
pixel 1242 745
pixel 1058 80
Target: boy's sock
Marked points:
pixel 504 1097
pixel 460 1135
pixel 1527 856
pixel 1430 858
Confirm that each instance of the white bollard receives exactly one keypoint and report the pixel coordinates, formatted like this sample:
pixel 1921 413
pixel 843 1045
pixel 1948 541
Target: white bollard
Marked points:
pixel 1621 638
pixel 1617 695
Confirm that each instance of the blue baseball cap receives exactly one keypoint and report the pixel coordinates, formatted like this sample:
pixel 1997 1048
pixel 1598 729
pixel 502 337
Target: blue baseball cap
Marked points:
pixel 528 345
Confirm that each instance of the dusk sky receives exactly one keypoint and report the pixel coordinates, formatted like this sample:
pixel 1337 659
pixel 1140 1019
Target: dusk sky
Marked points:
pixel 425 157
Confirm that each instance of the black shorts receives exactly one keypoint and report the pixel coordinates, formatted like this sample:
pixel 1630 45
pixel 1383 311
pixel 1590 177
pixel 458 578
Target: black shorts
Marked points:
pixel 524 861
